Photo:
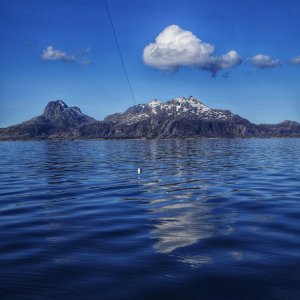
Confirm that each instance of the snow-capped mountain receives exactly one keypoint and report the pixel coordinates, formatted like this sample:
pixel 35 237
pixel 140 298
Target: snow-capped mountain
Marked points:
pixel 180 107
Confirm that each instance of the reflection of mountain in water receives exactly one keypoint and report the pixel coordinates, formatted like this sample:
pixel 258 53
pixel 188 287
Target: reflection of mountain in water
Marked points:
pixel 65 173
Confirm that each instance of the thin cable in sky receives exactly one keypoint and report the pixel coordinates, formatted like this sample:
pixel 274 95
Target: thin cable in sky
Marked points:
pixel 119 49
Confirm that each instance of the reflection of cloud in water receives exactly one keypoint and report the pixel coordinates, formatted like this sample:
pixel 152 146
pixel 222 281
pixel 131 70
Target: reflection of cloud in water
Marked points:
pixel 181 217
pixel 197 260
pixel 181 224
pixel 184 178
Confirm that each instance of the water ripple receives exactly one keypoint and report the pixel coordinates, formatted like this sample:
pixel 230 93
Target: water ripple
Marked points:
pixel 209 219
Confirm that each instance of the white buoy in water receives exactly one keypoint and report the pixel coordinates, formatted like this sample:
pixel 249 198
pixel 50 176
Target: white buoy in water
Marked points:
pixel 139 170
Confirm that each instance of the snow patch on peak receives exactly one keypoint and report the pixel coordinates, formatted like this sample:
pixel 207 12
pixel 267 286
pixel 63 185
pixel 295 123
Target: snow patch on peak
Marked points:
pixel 61 102
pixel 192 98
pixel 154 103
pixel 188 102
pixel 179 99
pixel 199 105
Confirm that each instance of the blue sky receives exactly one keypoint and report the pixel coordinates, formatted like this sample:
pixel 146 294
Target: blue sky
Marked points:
pixel 66 50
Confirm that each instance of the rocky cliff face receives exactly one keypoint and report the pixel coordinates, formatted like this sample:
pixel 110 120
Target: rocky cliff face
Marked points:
pixel 178 118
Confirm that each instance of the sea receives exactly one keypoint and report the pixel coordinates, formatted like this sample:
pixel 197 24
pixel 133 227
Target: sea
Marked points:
pixel 205 219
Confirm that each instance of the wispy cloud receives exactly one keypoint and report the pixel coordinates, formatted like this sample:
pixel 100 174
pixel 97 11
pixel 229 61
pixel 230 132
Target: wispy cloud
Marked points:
pixel 264 61
pixel 52 54
pixel 295 60
pixel 175 47
pixel 86 50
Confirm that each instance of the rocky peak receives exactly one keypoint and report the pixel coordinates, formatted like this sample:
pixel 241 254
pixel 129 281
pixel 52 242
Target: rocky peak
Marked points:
pixel 179 104
pixel 289 123
pixel 54 108
pixel 188 103
pixel 154 102
pixel 64 116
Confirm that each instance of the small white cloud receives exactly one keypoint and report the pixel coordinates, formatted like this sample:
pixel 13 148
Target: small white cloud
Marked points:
pixel 264 61
pixel 226 61
pixel 52 54
pixel 175 47
pixel 295 60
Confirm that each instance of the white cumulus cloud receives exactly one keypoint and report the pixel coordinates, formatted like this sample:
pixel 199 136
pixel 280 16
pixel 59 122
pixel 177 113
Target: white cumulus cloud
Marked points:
pixel 264 61
pixel 52 54
pixel 295 60
pixel 175 47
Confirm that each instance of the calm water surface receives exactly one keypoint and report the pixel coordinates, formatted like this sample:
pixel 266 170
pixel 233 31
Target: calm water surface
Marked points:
pixel 207 219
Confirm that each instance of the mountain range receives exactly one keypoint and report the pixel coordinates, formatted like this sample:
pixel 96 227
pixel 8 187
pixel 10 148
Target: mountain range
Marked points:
pixel 178 118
